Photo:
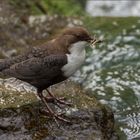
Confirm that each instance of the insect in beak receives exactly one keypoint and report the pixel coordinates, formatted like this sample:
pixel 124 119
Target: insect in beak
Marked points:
pixel 93 41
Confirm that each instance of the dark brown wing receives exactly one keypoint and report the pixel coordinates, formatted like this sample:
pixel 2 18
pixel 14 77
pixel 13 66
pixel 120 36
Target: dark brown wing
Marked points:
pixel 37 68
pixel 31 53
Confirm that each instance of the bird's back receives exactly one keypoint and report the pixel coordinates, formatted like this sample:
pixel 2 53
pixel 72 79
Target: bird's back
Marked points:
pixel 33 52
pixel 38 66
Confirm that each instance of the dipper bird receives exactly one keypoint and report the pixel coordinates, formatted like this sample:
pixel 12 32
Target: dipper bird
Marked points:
pixel 49 64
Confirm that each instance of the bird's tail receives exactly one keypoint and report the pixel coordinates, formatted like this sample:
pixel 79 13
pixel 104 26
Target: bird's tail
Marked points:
pixel 3 64
pixel 6 63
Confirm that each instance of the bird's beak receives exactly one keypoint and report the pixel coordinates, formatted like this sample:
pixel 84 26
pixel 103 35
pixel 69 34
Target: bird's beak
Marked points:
pixel 94 41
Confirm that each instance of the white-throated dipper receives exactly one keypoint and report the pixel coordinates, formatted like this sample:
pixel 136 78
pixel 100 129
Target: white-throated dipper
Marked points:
pixel 49 64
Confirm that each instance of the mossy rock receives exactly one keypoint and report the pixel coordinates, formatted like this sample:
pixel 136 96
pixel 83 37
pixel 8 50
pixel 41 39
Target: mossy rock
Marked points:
pixel 89 119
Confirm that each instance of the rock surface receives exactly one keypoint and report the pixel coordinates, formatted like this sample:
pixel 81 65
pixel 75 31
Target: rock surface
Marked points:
pixel 20 118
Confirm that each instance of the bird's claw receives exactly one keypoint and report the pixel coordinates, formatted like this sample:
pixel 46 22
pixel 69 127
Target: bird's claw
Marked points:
pixel 57 101
pixel 56 116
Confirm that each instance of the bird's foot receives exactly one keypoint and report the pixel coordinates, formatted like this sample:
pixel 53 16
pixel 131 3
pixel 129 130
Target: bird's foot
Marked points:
pixel 55 116
pixel 58 117
pixel 49 111
pixel 57 101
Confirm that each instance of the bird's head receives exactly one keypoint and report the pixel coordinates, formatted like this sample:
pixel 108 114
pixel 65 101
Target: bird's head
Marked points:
pixel 73 37
pixel 79 35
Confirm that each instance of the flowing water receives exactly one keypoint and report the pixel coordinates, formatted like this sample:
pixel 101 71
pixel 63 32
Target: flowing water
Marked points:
pixel 112 72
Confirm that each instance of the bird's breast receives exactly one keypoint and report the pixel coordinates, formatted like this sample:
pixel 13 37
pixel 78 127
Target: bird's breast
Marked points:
pixel 75 60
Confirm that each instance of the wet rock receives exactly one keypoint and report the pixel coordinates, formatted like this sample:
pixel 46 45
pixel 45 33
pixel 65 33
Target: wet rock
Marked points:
pixel 20 116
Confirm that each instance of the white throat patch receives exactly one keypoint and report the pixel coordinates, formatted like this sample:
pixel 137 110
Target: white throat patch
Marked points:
pixel 75 59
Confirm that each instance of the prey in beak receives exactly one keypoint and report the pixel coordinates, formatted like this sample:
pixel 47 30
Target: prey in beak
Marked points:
pixel 94 41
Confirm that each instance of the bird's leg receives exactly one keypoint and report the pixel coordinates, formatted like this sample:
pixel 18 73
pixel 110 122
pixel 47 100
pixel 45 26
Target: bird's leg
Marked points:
pixel 52 100
pixel 58 100
pixel 50 111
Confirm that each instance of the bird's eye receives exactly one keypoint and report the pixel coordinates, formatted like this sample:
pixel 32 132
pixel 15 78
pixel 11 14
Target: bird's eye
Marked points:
pixel 78 35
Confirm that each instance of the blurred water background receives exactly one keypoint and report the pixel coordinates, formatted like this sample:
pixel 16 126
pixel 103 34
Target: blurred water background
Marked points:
pixel 112 71
pixel 113 7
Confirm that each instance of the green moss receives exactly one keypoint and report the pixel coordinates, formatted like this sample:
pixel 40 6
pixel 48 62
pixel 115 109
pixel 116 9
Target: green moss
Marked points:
pixel 11 98
pixel 63 7
pixel 59 7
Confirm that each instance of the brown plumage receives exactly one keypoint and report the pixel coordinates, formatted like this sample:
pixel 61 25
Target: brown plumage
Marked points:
pixel 42 66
